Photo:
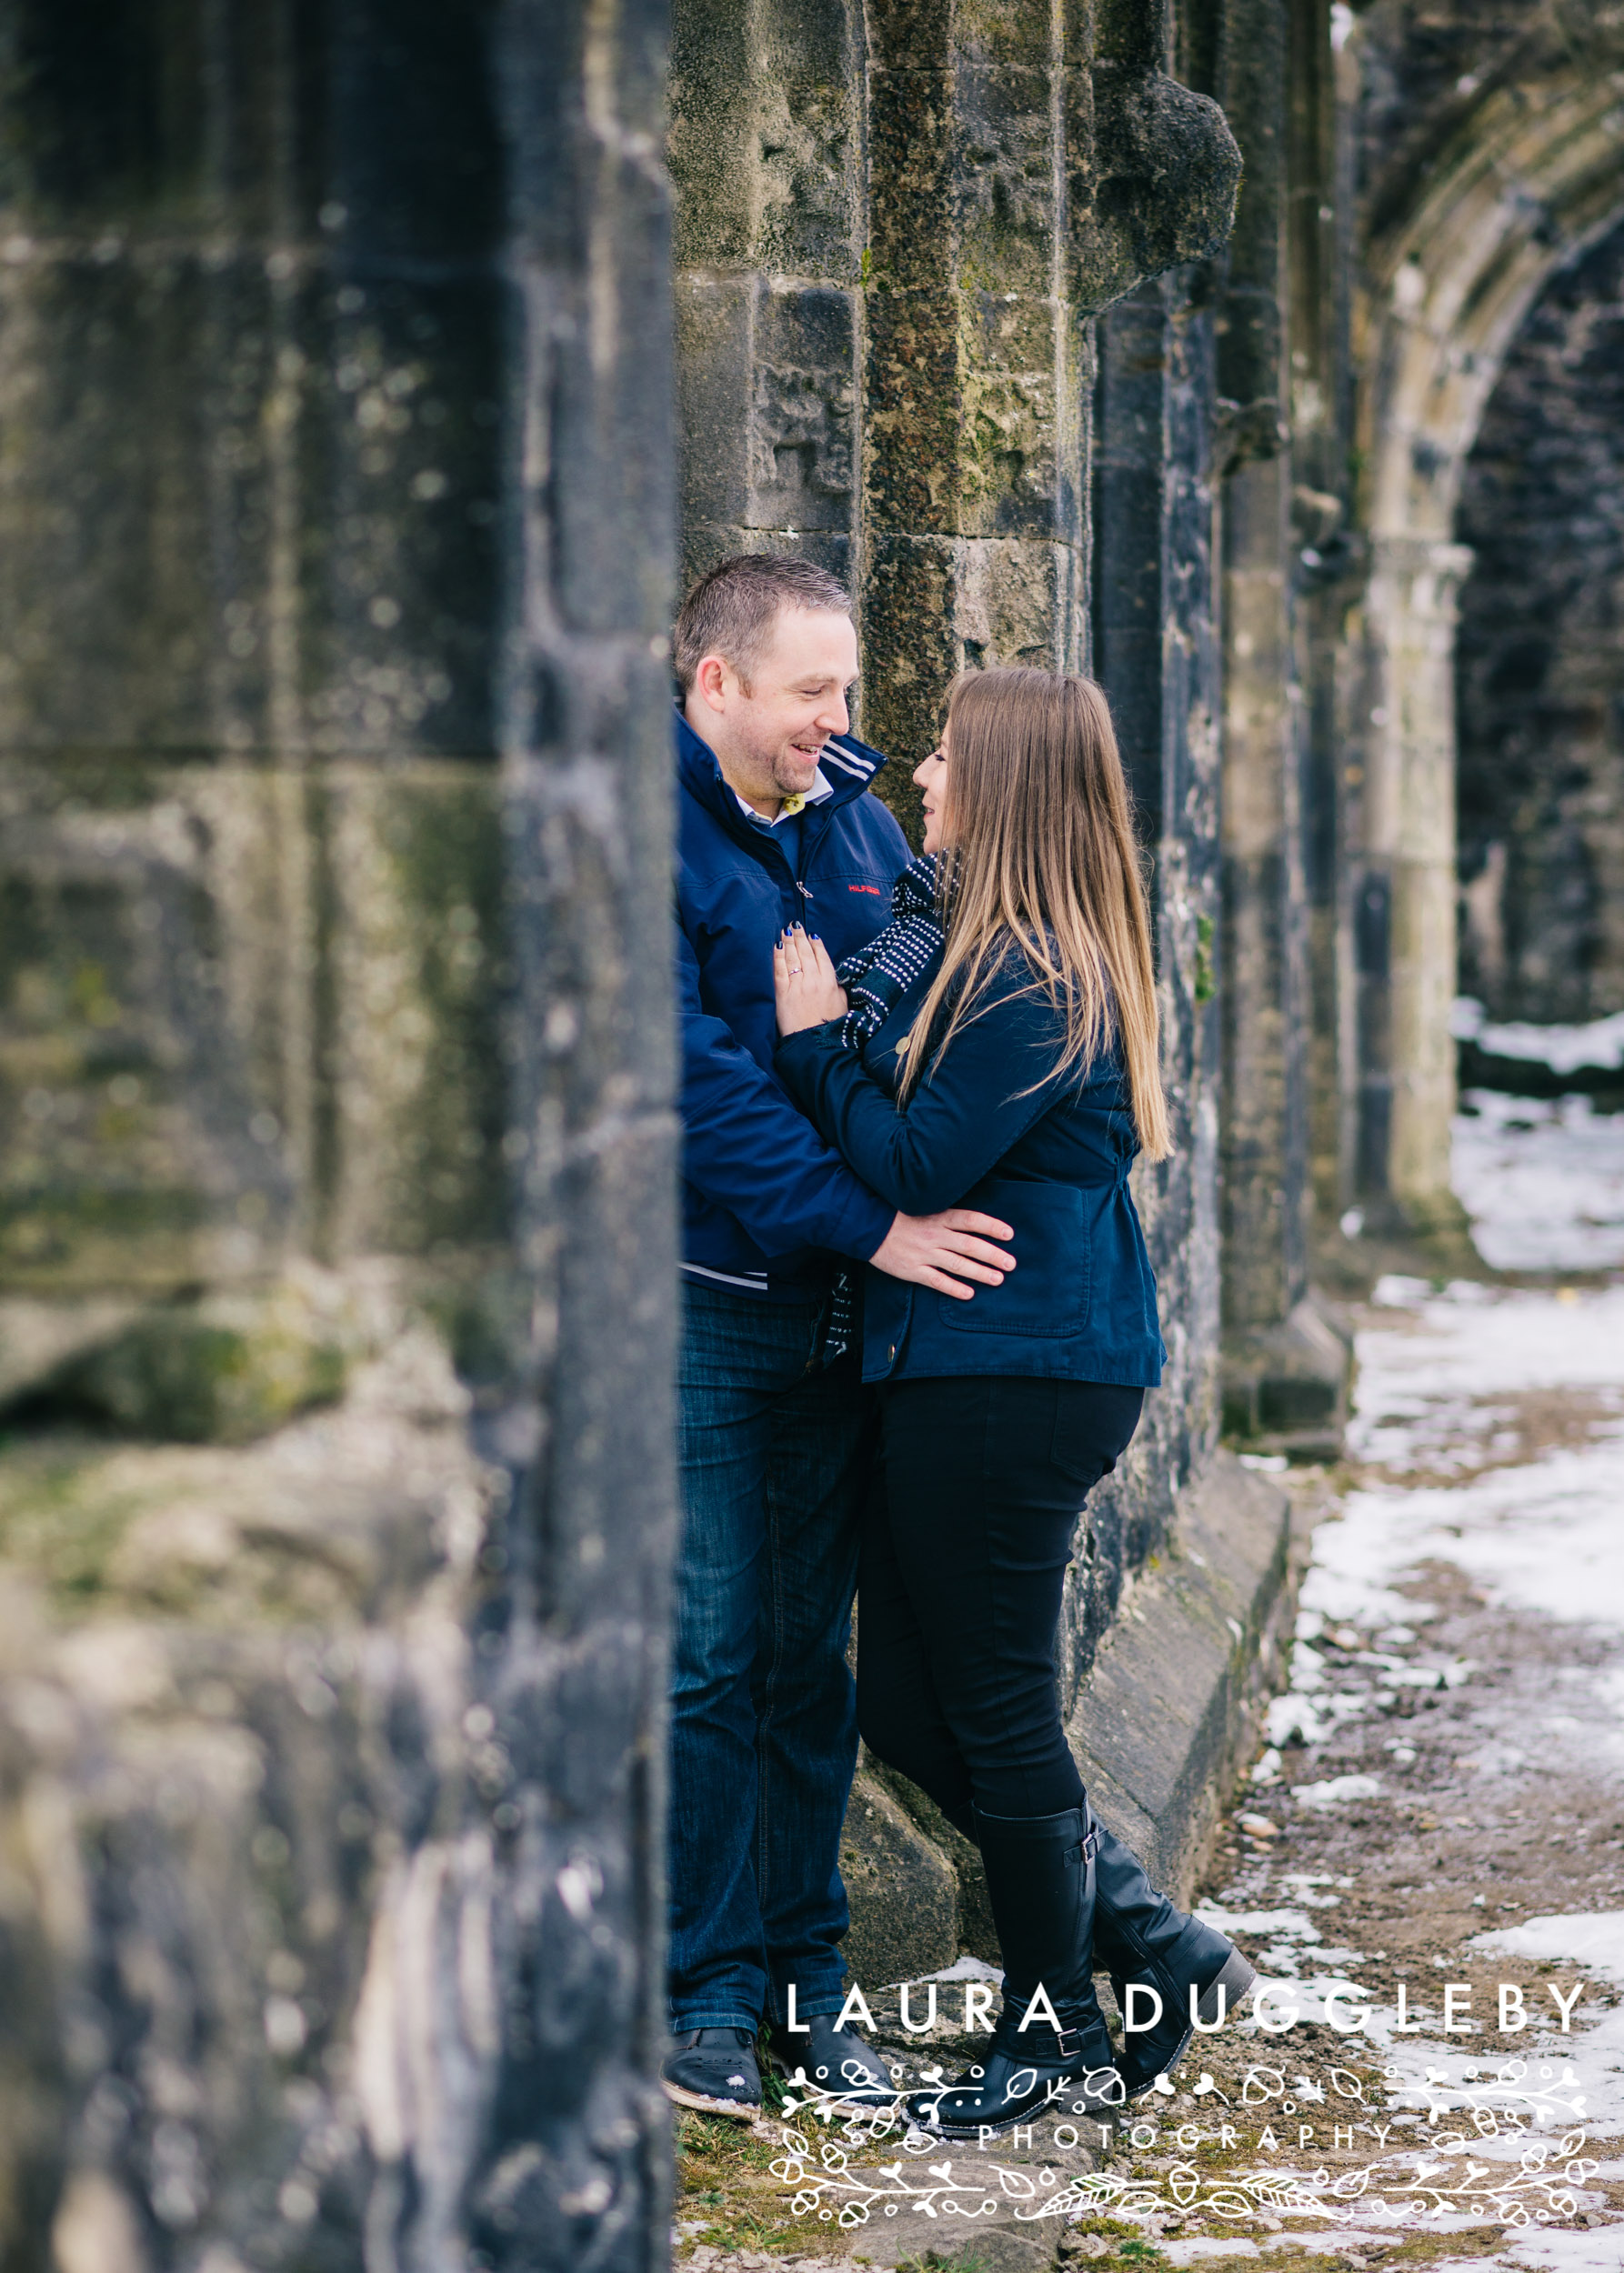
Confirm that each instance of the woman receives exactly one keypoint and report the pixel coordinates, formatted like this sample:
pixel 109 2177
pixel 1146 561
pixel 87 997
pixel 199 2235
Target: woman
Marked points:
pixel 998 1047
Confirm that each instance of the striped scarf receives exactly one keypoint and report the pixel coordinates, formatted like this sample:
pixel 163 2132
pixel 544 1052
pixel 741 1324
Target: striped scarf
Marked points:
pixel 878 975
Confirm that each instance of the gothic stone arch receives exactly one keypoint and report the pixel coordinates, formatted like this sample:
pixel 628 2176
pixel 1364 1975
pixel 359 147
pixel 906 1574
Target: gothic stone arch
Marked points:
pixel 1536 176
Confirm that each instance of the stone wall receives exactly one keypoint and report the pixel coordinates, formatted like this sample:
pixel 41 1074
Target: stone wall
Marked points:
pixel 336 1147
pixel 1539 662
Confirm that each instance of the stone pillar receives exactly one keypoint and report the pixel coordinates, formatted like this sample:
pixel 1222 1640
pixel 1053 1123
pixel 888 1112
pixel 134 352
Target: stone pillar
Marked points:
pixel 1025 169
pixel 1320 132
pixel 1156 654
pixel 337 1173
pixel 1284 1370
pixel 976 365
pixel 1402 889
pixel 1264 990
pixel 1264 1263
pixel 765 154
pixel 891 229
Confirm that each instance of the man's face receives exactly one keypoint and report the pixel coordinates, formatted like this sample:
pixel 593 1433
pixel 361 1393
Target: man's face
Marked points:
pixel 769 737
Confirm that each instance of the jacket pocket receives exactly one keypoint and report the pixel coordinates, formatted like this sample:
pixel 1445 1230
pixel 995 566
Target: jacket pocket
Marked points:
pixel 1048 1292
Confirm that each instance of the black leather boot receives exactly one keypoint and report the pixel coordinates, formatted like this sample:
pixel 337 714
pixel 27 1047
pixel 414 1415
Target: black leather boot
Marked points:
pixel 1041 1883
pixel 1139 1935
pixel 838 2060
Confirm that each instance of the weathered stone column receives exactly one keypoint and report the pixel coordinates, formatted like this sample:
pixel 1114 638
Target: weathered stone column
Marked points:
pixel 336 1149
pixel 1026 169
pixel 1283 1368
pixel 1156 654
pixel 1265 1263
pixel 767 160
pixel 976 365
pixel 1403 892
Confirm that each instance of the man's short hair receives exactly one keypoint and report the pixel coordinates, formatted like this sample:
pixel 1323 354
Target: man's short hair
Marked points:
pixel 731 612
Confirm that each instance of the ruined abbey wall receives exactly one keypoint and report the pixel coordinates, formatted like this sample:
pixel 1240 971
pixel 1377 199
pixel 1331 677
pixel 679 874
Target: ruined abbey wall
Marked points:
pixel 1484 159
pixel 369 380
pixel 1540 661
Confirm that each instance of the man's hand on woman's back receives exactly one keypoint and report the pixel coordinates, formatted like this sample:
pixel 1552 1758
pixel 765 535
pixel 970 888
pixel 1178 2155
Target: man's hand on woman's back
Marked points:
pixel 943 1250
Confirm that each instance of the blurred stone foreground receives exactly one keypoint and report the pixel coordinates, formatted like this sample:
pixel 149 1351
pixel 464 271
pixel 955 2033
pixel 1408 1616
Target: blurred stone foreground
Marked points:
pixel 367 380
pixel 336 1156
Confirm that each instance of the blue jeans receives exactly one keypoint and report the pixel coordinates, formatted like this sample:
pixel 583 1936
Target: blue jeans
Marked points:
pixel 774 1454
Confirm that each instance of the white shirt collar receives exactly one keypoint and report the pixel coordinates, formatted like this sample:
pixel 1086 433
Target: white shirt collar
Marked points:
pixel 822 788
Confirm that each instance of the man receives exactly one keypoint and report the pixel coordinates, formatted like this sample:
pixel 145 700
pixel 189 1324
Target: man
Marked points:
pixel 775 827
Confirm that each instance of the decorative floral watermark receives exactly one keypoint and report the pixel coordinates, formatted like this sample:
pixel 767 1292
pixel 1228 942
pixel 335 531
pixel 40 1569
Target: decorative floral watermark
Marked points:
pixel 835 2180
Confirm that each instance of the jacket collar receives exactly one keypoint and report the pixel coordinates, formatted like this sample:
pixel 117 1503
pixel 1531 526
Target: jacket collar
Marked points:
pixel 848 765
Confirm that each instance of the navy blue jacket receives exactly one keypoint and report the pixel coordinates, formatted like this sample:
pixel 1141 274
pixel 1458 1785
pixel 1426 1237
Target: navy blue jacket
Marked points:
pixel 764 1197
pixel 992 1126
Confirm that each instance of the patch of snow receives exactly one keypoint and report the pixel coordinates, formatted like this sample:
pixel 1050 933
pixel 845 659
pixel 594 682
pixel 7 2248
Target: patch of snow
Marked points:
pixel 1517 1339
pixel 1331 1790
pixel 1293 1716
pixel 1562 2250
pixel 961 1969
pixel 1588 1938
pixel 1258 1921
pixel 1564 1049
pixel 1541 1537
pixel 1542 1180
pixel 1393 1291
pixel 1357 1555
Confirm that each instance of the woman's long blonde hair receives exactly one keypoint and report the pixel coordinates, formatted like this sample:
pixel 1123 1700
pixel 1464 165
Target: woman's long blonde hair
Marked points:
pixel 1040 851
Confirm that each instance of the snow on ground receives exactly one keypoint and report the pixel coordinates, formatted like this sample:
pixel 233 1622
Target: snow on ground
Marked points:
pixel 1564 1049
pixel 1489 1433
pixel 1560 2251
pixel 1542 1180
pixel 1440 1382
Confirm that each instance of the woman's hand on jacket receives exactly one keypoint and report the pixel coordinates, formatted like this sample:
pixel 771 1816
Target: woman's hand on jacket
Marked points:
pixel 804 982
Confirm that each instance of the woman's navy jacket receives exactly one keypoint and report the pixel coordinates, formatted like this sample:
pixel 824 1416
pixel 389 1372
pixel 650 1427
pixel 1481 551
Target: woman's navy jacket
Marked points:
pixel 990 1126
pixel 764 1197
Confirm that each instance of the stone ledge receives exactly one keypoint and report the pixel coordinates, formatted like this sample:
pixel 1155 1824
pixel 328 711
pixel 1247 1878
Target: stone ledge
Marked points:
pixel 1175 1702
pixel 1286 1387
pixel 1161 1729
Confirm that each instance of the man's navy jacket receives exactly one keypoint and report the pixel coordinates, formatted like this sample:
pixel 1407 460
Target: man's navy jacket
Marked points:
pixel 763 1198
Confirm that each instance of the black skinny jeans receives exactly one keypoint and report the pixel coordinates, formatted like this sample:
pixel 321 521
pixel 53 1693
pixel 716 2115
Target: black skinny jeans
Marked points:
pixel 969 1532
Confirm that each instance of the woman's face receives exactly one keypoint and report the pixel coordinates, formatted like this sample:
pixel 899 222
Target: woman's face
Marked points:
pixel 932 779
